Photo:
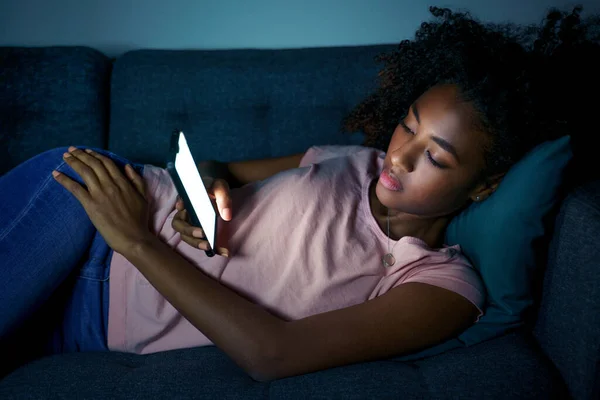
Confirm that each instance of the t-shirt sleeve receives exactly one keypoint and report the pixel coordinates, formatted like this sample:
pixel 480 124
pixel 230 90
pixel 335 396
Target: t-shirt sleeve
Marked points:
pixel 316 154
pixel 458 277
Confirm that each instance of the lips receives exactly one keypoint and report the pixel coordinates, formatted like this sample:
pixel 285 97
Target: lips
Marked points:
pixel 390 181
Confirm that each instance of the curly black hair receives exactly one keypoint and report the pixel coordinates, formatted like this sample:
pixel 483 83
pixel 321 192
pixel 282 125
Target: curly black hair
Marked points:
pixel 527 83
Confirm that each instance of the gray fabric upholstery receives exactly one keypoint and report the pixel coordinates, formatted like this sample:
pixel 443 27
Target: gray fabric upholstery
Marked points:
pixel 568 324
pixel 508 367
pixel 237 104
pixel 51 97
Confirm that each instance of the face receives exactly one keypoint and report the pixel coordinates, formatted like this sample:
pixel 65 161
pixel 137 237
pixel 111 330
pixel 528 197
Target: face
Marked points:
pixel 435 158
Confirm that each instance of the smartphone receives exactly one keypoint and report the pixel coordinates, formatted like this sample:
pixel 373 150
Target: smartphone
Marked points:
pixel 190 187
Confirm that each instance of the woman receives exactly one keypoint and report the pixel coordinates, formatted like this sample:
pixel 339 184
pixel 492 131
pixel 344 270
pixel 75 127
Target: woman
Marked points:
pixel 334 256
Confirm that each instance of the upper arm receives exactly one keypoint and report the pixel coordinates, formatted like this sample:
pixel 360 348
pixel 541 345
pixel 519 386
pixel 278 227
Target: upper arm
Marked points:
pixel 256 170
pixel 408 318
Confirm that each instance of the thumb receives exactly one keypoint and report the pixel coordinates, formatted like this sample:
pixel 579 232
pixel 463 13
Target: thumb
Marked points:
pixel 221 191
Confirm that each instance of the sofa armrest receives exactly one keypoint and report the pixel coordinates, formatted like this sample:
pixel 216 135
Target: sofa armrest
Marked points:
pixel 568 324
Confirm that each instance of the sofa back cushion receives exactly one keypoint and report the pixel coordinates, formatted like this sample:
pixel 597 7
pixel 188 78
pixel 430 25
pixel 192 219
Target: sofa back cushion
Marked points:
pixel 51 97
pixel 237 104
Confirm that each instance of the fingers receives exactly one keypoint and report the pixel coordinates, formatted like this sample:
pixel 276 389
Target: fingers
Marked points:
pixel 179 204
pixel 85 171
pixel 192 235
pixel 223 251
pixel 180 224
pixel 116 174
pixel 108 164
pixel 89 167
pixel 208 182
pixel 73 187
pixel 220 189
pixel 136 179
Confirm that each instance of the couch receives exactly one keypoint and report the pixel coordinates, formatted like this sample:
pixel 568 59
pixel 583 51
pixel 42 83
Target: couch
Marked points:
pixel 244 104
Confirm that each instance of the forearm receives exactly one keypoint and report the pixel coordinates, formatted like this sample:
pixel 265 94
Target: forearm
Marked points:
pixel 219 170
pixel 240 173
pixel 242 329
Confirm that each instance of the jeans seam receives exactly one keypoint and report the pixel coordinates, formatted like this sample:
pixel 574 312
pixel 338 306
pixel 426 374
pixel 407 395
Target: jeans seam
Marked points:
pixel 28 206
pixel 93 279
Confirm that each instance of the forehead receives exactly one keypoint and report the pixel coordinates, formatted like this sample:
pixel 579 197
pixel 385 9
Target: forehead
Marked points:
pixel 443 113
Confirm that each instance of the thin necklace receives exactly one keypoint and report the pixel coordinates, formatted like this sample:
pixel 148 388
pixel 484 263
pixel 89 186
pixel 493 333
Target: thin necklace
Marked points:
pixel 389 259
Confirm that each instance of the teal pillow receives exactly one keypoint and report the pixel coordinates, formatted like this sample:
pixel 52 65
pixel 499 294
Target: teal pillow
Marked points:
pixel 498 236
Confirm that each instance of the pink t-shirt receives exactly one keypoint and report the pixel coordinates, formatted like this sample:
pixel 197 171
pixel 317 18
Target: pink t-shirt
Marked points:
pixel 301 242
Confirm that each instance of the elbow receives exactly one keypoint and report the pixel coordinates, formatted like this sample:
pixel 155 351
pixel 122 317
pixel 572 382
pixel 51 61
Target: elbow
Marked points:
pixel 267 372
pixel 265 367
pixel 259 375
pixel 267 362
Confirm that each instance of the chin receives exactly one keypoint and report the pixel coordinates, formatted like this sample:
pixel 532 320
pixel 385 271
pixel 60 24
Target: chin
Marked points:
pixel 397 202
pixel 385 196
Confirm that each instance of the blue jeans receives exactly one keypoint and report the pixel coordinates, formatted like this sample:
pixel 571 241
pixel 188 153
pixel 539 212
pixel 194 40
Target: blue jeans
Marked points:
pixel 54 265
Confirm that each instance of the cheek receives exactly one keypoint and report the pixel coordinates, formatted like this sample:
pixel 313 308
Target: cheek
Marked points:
pixel 430 193
pixel 428 189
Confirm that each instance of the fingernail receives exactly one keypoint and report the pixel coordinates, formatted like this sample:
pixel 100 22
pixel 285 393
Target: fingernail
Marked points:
pixel 197 234
pixel 71 148
pixel 227 214
pixel 55 173
pixel 67 155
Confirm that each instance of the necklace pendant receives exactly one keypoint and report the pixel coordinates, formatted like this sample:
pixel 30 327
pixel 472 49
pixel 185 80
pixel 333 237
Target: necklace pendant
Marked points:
pixel 388 260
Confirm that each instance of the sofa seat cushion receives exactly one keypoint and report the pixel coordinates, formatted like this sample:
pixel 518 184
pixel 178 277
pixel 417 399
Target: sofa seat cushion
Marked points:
pixel 506 367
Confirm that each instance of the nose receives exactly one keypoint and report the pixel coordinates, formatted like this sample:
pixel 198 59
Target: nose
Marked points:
pixel 405 157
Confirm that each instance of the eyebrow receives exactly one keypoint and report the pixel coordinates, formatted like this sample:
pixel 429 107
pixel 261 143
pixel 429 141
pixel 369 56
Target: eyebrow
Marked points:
pixel 441 142
pixel 446 146
pixel 415 111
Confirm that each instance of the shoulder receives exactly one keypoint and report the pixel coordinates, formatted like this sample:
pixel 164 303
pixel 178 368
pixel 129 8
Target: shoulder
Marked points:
pixel 449 268
pixel 318 154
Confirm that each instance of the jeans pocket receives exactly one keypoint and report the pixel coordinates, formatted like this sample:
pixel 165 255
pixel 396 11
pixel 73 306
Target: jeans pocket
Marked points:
pixel 96 267
pixel 95 270
pixel 84 324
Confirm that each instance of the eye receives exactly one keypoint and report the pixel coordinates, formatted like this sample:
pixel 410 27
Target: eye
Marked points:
pixel 406 128
pixel 429 157
pixel 435 163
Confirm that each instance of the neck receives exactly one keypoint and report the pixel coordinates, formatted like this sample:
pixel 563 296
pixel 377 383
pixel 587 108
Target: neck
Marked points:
pixel 430 230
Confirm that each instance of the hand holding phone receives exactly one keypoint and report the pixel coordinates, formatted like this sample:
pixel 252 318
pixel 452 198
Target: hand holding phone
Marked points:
pixel 198 203
pixel 193 235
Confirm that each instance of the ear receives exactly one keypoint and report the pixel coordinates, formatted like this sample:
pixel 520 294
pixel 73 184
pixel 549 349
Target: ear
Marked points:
pixel 485 189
